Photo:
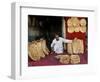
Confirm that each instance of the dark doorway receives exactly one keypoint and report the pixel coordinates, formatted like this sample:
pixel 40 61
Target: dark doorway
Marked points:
pixel 44 27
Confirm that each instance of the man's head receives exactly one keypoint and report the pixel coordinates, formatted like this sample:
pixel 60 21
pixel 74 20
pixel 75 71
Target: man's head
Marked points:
pixel 57 37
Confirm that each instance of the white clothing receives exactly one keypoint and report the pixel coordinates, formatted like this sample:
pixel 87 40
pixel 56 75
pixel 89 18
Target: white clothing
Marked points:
pixel 58 45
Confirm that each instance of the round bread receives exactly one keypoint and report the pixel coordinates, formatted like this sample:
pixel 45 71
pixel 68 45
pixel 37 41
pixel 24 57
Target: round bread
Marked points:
pixel 83 22
pixel 75 22
pixel 32 52
pixel 69 48
pixel 69 22
pixel 64 59
pixel 83 29
pixel 70 29
pixel 75 59
pixel 77 29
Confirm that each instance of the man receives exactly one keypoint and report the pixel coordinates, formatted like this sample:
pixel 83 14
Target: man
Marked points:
pixel 57 44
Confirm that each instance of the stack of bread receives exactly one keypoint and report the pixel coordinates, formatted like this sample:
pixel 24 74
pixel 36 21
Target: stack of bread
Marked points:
pixel 75 59
pixel 76 25
pixel 66 59
pixel 76 47
pixel 37 50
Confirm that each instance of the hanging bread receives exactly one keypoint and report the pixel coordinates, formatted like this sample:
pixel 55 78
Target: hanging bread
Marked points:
pixel 70 29
pixel 76 24
pixel 83 25
pixel 69 48
pixel 75 21
pixel 75 46
pixel 83 29
pixel 70 26
pixel 75 59
pixel 81 47
pixel 83 22
pixel 77 29
pixel 69 22
pixel 73 25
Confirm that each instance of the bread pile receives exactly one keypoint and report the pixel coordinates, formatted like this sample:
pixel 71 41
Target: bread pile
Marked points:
pixel 76 25
pixel 66 59
pixel 75 59
pixel 76 47
pixel 37 50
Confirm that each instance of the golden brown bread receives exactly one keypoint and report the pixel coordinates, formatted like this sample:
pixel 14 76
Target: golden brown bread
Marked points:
pixel 76 46
pixel 69 48
pixel 37 49
pixel 76 25
pixel 70 29
pixel 64 59
pixel 75 59
pixel 44 47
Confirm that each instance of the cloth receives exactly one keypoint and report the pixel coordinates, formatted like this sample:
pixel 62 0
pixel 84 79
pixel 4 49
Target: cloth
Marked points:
pixel 58 45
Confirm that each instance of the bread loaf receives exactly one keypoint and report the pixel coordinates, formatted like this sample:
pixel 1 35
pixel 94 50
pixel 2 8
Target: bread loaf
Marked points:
pixel 64 59
pixel 75 59
pixel 37 50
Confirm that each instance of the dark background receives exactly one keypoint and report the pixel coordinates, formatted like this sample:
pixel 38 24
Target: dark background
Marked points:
pixel 44 27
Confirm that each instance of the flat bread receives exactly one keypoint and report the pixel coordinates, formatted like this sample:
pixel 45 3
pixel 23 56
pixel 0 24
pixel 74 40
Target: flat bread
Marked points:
pixel 33 53
pixel 70 29
pixel 76 46
pixel 81 46
pixel 40 50
pixel 75 59
pixel 69 22
pixel 69 48
pixel 77 29
pixel 64 59
pixel 83 29
pixel 75 21
pixel 37 50
pixel 83 22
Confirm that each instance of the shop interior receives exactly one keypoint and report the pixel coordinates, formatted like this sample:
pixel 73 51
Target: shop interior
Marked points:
pixel 45 27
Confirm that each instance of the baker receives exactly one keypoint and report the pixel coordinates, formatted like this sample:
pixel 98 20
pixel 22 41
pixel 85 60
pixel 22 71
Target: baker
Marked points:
pixel 57 44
